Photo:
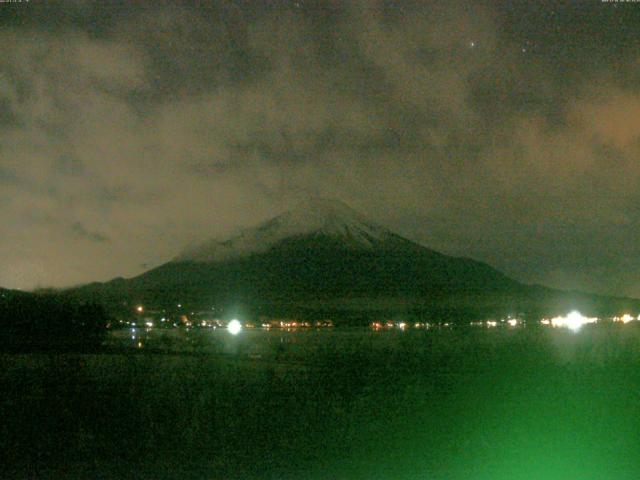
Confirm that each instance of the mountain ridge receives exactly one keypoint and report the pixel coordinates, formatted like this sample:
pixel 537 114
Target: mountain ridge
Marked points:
pixel 326 257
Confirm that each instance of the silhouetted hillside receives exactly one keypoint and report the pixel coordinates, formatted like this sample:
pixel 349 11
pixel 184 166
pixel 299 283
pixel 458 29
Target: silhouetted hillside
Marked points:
pixel 45 322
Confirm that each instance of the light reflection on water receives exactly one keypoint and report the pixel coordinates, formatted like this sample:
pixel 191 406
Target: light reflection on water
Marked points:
pixel 299 344
pixel 253 343
pixel 269 344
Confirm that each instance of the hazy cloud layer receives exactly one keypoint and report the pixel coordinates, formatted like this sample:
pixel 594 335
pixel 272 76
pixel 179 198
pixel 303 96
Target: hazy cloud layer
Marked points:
pixel 506 132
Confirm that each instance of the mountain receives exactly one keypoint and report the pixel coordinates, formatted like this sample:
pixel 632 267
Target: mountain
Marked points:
pixel 6 294
pixel 332 219
pixel 325 257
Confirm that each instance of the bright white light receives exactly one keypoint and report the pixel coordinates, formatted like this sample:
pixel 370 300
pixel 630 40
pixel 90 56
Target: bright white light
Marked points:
pixel 512 322
pixel 492 323
pixel 573 321
pixel 626 318
pixel 149 323
pixel 234 327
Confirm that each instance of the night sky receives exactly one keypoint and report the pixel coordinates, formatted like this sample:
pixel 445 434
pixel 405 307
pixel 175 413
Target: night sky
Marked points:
pixel 508 132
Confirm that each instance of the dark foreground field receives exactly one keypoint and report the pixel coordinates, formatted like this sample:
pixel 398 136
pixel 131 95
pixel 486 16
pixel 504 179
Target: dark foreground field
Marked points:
pixel 451 404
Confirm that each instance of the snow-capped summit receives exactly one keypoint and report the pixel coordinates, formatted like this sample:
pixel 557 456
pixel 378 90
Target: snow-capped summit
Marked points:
pixel 330 218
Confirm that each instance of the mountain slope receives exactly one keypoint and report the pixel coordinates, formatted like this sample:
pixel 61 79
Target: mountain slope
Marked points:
pixel 321 251
pixel 324 256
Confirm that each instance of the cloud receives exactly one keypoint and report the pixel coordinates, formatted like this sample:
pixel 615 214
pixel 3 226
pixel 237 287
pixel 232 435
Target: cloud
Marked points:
pixel 129 132
pixel 80 230
pixel 611 116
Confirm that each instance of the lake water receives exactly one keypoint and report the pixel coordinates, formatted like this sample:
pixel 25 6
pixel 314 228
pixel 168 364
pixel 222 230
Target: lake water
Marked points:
pixel 457 403
pixel 593 344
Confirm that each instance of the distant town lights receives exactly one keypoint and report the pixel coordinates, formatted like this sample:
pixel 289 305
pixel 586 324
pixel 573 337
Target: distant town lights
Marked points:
pixel 626 318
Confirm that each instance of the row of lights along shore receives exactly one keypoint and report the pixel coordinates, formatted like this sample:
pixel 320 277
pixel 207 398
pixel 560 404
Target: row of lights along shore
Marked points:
pixel 573 321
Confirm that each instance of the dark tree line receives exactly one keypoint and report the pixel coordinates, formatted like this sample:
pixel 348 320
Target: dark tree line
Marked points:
pixel 50 322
